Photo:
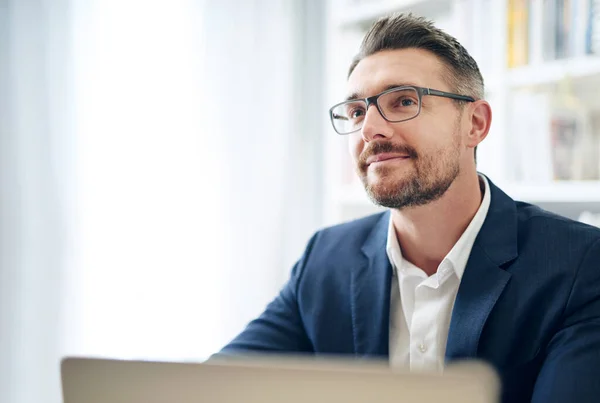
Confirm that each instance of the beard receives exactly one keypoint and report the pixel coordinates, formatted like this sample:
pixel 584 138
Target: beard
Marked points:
pixel 425 178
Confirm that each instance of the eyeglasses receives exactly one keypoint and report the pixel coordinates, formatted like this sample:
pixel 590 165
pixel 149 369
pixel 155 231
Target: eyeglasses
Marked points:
pixel 395 105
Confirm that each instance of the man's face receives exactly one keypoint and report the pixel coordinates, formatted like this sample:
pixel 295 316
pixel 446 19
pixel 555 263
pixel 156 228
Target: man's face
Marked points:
pixel 414 162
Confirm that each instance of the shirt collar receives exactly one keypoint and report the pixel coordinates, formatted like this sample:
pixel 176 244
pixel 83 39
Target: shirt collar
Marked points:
pixel 459 254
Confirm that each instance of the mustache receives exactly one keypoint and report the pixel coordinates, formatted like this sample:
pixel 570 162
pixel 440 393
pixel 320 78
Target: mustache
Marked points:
pixel 381 147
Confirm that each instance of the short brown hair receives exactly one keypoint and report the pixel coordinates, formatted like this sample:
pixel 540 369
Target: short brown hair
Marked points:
pixel 403 31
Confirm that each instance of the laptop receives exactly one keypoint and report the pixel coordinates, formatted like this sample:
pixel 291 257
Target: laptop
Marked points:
pixel 259 379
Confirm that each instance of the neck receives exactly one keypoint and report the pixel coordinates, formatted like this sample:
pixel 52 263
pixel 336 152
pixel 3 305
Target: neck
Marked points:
pixel 427 233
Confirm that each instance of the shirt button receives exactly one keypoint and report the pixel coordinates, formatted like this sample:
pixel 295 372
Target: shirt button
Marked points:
pixel 422 347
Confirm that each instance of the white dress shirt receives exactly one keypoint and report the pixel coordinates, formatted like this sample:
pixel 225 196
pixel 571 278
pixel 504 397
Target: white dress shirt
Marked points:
pixel 421 306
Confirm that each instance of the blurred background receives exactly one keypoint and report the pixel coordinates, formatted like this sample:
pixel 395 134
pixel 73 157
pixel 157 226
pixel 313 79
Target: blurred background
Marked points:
pixel 163 163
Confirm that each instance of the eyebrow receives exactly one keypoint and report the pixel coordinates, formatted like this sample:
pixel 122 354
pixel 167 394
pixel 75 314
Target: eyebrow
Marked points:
pixel 359 95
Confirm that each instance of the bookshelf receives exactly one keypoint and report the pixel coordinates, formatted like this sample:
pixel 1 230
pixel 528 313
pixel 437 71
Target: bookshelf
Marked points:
pixel 541 64
pixel 558 192
pixel 584 68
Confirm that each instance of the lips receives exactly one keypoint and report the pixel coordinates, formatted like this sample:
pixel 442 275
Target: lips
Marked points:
pixel 385 157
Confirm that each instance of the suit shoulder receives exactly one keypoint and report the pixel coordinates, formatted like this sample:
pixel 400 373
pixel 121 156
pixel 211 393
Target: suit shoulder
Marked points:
pixel 334 242
pixel 358 228
pixel 548 224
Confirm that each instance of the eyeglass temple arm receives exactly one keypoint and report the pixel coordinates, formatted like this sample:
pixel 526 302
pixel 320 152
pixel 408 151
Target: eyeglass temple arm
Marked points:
pixel 444 94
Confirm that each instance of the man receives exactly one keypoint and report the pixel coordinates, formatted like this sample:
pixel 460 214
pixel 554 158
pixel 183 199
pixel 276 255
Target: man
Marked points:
pixel 455 269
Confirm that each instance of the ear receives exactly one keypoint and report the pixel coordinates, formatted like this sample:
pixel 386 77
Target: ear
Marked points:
pixel 480 122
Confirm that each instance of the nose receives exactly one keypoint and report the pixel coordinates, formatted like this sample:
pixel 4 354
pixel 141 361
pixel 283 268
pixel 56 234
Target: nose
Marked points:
pixel 375 126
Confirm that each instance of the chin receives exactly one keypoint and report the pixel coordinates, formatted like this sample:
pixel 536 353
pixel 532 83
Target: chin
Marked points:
pixel 382 192
pixel 386 184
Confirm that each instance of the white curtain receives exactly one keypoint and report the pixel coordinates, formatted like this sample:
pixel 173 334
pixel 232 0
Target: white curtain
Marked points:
pixel 159 175
pixel 36 186
pixel 267 105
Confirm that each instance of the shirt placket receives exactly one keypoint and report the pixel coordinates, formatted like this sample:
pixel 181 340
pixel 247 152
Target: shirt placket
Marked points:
pixel 424 329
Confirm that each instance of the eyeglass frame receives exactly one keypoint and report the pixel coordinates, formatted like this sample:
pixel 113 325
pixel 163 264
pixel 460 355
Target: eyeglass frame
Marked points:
pixel 374 100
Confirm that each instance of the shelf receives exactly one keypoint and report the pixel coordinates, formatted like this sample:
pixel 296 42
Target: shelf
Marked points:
pixel 553 72
pixel 555 192
pixel 347 16
pixel 486 39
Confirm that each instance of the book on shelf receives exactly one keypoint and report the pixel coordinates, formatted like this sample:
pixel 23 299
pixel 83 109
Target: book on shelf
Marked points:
pixel 546 30
pixel 592 28
pixel 517 41
pixel 553 137
pixel 567 135
pixel 574 136
pixel 535 32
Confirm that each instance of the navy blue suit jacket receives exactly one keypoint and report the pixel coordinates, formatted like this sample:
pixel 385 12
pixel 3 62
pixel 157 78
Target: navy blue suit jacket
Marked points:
pixel 528 302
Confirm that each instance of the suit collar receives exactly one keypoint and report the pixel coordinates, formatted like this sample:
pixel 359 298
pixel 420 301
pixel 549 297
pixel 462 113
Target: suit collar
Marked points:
pixel 482 284
pixel 498 235
pixel 370 294
pixel 457 257
pixel 377 239
pixel 484 279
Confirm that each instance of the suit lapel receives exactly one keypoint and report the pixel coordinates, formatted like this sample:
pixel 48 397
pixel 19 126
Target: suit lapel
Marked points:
pixel 482 284
pixel 370 295
pixel 484 278
pixel 480 288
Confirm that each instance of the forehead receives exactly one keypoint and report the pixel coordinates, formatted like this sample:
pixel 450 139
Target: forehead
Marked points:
pixel 377 72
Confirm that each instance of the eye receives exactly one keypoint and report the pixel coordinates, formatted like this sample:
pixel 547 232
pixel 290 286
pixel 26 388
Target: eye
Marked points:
pixel 356 113
pixel 404 101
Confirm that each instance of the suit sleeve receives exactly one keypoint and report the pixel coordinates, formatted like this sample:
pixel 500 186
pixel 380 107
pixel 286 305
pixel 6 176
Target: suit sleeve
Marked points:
pixel 280 327
pixel 571 370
